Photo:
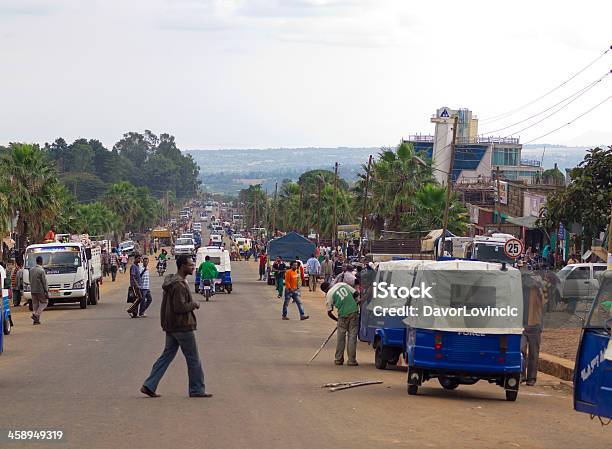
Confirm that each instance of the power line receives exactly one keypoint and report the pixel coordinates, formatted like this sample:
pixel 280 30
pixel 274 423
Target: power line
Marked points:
pixel 508 113
pixel 577 95
pixel 570 122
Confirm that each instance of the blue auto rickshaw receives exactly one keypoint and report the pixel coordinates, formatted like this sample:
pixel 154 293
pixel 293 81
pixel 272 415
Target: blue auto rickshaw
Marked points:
pixel 593 371
pixel 220 257
pixel 387 335
pixel 460 348
pixel 5 310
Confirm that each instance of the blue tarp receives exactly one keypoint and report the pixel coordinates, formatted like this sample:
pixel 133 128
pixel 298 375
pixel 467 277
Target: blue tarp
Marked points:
pixel 289 246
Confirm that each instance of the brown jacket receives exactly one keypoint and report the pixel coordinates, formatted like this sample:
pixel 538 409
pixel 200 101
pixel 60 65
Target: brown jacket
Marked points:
pixel 177 306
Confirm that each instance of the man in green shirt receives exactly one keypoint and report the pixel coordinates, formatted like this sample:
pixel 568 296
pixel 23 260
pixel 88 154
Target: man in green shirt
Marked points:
pixel 208 272
pixel 344 299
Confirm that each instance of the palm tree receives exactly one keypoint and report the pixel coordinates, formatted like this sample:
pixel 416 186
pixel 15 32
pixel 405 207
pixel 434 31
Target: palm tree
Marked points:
pixel 34 188
pixel 428 211
pixel 97 218
pixel 394 179
pixel 121 199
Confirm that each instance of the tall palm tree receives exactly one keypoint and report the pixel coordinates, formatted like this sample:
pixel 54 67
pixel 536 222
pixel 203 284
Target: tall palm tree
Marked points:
pixel 34 188
pixel 122 200
pixel 97 218
pixel 428 212
pixel 394 178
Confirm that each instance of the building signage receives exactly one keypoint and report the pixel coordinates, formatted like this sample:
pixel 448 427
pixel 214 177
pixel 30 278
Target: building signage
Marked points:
pixel 533 204
pixel 503 187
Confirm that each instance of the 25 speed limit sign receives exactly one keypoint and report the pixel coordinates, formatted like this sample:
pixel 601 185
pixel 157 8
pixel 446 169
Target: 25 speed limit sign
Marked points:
pixel 513 248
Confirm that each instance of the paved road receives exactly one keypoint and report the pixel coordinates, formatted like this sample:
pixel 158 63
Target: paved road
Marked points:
pixel 81 370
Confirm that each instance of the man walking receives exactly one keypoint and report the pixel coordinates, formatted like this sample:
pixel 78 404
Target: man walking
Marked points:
pixel 313 268
pixel 17 283
pixel 135 284
pixel 533 322
pixel 278 270
pixel 39 289
pixel 105 263
pixel 179 323
pixel 114 264
pixel 343 297
pixel 145 289
pixel 327 269
pixel 262 265
pixel 292 291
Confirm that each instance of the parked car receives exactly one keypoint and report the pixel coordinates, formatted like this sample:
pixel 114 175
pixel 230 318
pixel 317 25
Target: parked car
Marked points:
pixel 577 282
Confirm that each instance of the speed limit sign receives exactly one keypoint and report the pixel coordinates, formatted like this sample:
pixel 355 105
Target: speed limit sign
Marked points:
pixel 513 248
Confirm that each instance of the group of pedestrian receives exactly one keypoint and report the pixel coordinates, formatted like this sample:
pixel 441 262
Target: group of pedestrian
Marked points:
pixel 139 290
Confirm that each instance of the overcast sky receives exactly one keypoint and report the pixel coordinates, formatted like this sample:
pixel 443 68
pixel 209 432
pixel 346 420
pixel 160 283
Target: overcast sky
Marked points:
pixel 295 73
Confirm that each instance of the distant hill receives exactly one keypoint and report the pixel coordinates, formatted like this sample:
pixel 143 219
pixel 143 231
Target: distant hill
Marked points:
pixel 565 157
pixel 228 171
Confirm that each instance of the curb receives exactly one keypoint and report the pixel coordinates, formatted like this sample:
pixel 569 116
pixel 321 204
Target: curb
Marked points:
pixel 556 366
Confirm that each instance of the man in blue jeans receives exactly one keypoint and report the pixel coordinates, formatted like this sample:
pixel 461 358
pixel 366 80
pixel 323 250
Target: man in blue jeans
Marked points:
pixel 179 323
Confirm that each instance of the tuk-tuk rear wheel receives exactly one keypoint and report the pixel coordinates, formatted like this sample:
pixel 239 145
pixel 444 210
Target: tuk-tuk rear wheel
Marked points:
pixel 379 357
pixel 413 389
pixel 511 395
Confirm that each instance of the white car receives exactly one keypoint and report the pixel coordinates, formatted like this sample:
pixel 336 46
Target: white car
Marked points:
pixel 216 240
pixel 127 247
pixel 184 246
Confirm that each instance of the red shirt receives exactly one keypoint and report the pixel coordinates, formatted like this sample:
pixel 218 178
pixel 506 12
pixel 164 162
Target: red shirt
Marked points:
pixel 262 260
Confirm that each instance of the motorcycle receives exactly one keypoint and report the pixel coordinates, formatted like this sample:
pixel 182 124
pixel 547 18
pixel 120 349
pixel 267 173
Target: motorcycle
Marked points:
pixel 161 267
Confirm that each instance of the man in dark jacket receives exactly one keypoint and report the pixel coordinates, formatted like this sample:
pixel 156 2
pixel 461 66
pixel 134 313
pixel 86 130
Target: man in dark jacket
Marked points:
pixel 179 323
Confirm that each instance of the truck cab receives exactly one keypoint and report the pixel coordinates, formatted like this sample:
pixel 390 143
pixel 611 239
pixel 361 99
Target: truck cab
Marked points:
pixel 73 272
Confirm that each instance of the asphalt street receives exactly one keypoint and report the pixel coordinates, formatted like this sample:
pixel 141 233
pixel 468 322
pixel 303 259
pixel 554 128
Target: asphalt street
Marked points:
pixel 81 370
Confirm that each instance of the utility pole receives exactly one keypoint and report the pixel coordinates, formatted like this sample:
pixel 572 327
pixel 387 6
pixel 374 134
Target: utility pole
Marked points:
pixel 497 197
pixel 365 205
pixel 610 241
pixel 319 211
pixel 300 223
pixel 274 210
pixel 335 223
pixel 449 186
pixel 255 210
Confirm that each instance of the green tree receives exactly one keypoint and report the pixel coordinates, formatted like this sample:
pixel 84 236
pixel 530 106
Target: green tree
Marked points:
pixel 34 188
pixel 253 202
pixel 553 176
pixel 85 186
pixel 588 197
pixel 428 211
pixel 97 219
pixel 395 177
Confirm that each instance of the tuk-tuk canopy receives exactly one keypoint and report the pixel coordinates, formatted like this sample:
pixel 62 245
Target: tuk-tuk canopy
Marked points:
pixel 469 295
pixel 456 290
pixel 289 246
pixel 219 256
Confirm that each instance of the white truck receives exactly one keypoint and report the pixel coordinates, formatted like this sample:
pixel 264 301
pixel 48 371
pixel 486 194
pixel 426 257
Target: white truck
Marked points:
pixel 73 272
